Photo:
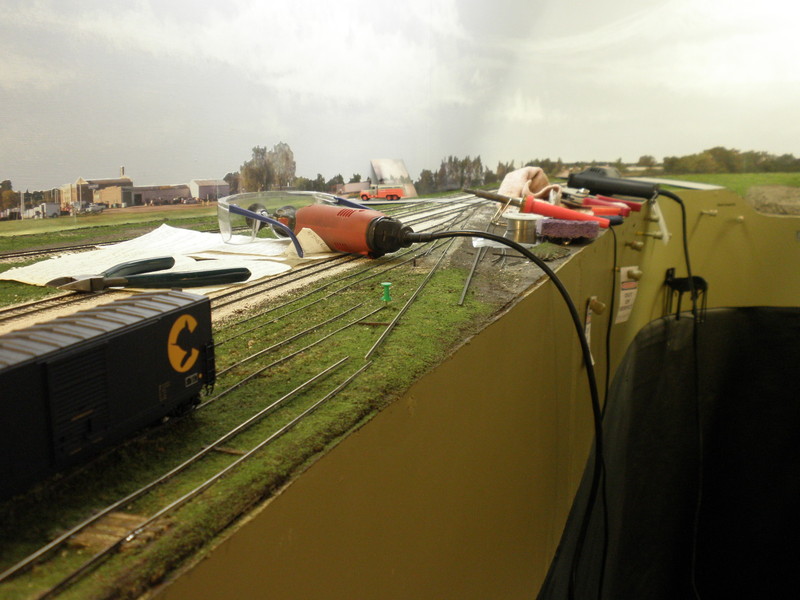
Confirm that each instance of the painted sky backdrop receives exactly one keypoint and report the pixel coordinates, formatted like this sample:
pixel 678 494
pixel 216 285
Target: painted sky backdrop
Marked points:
pixel 182 89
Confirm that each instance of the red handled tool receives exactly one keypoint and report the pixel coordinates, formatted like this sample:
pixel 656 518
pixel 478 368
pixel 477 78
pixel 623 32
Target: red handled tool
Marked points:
pixel 529 204
pixel 632 204
pixel 619 208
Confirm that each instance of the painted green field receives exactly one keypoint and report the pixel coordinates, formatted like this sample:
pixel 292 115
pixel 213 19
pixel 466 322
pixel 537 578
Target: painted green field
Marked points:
pixel 110 218
pixel 106 227
pixel 742 182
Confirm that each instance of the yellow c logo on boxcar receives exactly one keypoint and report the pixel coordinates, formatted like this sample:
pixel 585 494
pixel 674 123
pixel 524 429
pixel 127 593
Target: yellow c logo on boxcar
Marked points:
pixel 180 350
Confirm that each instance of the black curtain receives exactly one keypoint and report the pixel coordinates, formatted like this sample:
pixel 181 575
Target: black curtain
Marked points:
pixel 707 419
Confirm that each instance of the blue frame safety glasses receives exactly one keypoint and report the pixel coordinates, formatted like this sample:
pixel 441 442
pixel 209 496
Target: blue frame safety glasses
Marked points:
pixel 243 216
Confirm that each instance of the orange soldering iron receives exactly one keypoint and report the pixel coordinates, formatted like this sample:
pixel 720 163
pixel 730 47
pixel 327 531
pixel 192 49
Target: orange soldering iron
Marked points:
pixel 352 230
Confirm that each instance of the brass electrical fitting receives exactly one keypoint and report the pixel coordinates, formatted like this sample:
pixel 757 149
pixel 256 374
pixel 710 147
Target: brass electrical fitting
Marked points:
pixel 597 307
pixel 654 234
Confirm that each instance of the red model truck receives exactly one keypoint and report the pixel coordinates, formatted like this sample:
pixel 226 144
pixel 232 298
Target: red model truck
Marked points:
pixel 390 192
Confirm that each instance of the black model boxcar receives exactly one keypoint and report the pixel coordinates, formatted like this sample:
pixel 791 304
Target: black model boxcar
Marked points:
pixel 79 383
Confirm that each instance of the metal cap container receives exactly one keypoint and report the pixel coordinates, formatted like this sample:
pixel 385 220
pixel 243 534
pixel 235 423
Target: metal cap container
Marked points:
pixel 521 227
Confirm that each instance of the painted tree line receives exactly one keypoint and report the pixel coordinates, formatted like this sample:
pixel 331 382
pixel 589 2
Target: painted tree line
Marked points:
pixel 276 168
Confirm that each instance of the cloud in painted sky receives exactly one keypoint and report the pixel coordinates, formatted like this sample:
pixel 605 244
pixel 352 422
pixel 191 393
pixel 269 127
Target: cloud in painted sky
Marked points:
pixel 178 89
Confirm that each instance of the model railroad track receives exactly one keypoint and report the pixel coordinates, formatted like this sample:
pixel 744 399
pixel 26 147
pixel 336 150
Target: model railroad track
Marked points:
pixel 176 503
pixel 60 301
pixel 428 215
pixel 413 215
pixel 36 253
pixel 227 439
pixel 43 252
pixel 342 321
pixel 16 255
pixel 397 211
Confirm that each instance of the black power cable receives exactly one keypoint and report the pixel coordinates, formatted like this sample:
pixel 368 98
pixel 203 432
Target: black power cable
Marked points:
pixel 611 307
pixel 598 467
pixel 692 288
pixel 696 379
pixel 610 186
pixel 610 325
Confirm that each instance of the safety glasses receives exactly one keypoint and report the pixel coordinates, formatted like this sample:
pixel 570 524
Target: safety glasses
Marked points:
pixel 245 218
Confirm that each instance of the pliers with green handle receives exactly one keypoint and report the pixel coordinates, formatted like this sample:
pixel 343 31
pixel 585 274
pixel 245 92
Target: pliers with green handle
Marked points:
pixel 138 274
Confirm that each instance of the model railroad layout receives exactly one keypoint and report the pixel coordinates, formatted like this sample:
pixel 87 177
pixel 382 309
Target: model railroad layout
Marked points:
pixel 285 347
